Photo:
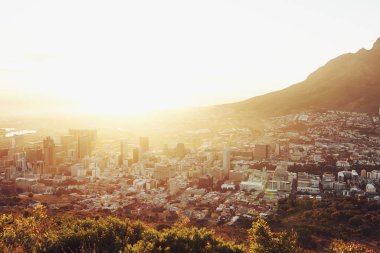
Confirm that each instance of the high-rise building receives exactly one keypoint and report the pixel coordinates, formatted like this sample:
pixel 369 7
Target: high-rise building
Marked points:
pixel 20 161
pixel 277 149
pixel 38 168
pixel 34 154
pixel 18 141
pixel 22 164
pixel 124 149
pixel 19 155
pixel 262 151
pixel 226 160
pixel 68 141
pixel 49 152
pixel 86 140
pixel 83 146
pixel 136 155
pixel 180 150
pixel 144 144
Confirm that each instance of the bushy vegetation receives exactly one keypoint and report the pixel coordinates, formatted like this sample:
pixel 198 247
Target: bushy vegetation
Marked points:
pixel 262 240
pixel 36 232
pixel 339 246
pixel 340 218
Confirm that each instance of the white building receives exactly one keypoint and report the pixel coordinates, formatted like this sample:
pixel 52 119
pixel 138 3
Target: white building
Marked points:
pixel 248 186
pixel 370 188
pixel 328 180
pixel 279 185
pixel 375 174
pixel 339 186
pixel 139 184
pixel 308 183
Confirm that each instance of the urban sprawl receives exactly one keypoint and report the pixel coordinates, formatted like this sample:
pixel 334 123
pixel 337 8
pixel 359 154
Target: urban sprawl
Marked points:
pixel 215 177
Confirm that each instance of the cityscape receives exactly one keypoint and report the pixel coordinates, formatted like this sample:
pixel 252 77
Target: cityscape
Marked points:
pixel 204 126
pixel 225 178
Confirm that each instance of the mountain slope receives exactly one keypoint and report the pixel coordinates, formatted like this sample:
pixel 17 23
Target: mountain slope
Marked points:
pixel 349 82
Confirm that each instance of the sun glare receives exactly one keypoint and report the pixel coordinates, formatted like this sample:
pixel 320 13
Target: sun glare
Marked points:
pixel 137 56
pixel 125 102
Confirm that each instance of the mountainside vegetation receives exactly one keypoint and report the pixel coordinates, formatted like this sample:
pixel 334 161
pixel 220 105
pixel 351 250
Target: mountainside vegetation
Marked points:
pixel 331 217
pixel 36 232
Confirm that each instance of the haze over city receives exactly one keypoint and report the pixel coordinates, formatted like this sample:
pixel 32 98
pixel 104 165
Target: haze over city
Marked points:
pixel 123 57
pixel 213 126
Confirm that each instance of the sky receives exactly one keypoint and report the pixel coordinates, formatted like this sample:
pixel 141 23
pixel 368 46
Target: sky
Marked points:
pixel 132 56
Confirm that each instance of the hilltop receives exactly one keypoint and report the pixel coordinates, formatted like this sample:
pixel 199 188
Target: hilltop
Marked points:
pixel 348 82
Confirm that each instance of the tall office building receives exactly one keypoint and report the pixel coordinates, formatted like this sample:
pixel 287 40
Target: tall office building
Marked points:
pixel 20 160
pixel 83 146
pixel 262 151
pixel 35 154
pixel 86 140
pixel 144 144
pixel 136 155
pixel 226 160
pixel 21 164
pixel 68 141
pixel 277 149
pixel 123 151
pixel 18 141
pixel 49 152
pixel 180 150
pixel 38 168
pixel 19 155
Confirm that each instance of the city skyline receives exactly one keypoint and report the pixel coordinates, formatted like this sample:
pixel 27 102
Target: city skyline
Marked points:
pixel 234 126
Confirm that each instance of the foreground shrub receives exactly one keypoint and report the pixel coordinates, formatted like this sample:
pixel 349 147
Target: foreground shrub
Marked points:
pixel 37 233
pixel 262 240
pixel 339 246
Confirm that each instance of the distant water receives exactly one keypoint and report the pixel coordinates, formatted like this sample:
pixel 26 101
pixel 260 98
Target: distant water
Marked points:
pixel 19 132
pixel 7 129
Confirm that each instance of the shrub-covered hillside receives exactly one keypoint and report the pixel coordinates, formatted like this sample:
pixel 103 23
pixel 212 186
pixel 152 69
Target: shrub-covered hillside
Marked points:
pixel 36 232
pixel 343 218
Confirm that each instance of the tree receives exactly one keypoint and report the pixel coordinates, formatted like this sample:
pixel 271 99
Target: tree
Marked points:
pixel 262 240
pixel 286 242
pixel 260 237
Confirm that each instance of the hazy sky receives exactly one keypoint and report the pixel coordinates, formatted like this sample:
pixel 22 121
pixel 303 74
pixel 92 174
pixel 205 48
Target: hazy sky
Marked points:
pixel 129 56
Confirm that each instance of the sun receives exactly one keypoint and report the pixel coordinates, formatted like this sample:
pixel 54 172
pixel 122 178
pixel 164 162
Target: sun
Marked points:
pixel 124 101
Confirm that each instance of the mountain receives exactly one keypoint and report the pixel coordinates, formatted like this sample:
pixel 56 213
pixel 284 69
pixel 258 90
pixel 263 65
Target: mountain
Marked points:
pixel 349 82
